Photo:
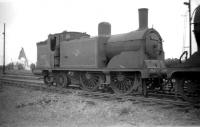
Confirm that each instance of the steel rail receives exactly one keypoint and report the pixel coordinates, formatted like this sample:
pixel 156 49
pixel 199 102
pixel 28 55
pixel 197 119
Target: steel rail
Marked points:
pixel 37 85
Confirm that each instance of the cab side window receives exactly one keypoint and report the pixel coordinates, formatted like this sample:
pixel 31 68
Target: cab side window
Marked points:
pixel 53 43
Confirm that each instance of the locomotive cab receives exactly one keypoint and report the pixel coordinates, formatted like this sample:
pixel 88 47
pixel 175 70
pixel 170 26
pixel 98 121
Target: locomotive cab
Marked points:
pixel 54 44
pixel 48 56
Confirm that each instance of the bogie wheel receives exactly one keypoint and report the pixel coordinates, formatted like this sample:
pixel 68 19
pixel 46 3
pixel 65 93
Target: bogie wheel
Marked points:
pixel 61 80
pixel 123 84
pixel 90 81
pixel 47 80
pixel 188 90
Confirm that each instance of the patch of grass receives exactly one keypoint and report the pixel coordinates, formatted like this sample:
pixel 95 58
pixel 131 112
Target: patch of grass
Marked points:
pixel 125 111
pixel 43 101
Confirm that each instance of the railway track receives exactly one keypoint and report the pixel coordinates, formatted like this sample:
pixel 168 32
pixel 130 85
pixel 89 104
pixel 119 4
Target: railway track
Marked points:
pixel 36 83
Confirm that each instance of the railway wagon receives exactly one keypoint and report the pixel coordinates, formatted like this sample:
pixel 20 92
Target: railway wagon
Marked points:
pixel 126 63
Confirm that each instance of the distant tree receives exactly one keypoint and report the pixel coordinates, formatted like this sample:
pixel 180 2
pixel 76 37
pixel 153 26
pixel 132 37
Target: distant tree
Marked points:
pixel 171 62
pixel 20 66
pixel 10 66
pixel 1 68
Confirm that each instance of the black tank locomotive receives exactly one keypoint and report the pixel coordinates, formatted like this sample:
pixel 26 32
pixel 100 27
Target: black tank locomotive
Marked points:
pixel 123 62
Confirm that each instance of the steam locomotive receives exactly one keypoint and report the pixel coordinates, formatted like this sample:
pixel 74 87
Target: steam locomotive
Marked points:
pixel 187 74
pixel 126 63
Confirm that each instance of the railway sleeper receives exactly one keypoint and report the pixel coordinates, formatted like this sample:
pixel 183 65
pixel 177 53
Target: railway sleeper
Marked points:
pixel 122 83
pixel 24 84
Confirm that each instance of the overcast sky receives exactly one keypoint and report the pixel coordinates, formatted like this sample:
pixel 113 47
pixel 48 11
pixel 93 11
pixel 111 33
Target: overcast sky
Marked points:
pixel 30 21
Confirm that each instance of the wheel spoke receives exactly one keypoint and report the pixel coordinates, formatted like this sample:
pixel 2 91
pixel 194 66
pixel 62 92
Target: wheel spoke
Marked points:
pixel 89 82
pixel 90 85
pixel 188 90
pixel 47 80
pixel 122 84
pixel 127 86
pixel 61 80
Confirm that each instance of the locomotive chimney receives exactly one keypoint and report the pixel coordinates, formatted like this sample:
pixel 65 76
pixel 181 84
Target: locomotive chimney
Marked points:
pixel 104 29
pixel 143 18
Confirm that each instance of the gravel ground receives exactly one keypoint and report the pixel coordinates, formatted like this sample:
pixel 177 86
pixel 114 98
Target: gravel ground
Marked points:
pixel 27 108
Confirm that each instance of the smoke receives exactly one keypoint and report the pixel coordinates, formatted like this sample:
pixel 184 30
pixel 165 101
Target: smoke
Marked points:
pixel 6 12
pixel 197 2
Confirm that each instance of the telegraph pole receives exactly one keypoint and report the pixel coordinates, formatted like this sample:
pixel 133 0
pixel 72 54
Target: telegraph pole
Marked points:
pixel 4 41
pixel 190 18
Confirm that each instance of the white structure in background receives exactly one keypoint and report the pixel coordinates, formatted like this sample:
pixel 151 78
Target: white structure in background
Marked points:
pixel 23 59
